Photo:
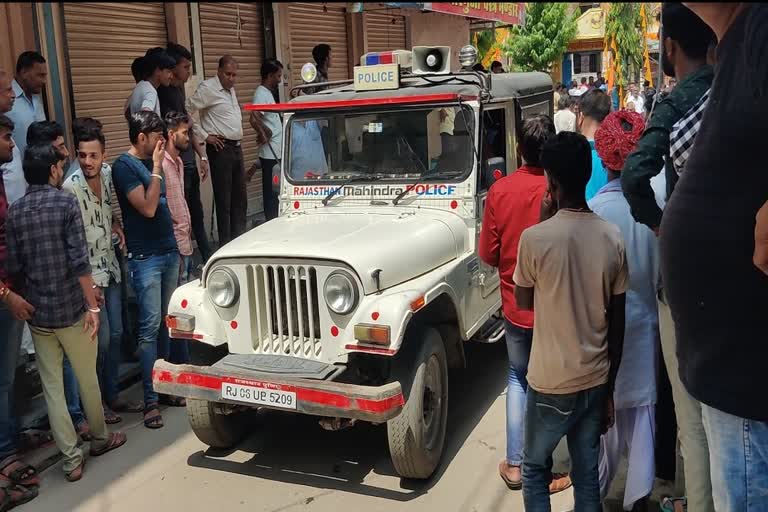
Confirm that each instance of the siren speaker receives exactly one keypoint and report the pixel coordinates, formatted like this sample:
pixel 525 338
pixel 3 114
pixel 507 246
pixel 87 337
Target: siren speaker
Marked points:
pixel 431 59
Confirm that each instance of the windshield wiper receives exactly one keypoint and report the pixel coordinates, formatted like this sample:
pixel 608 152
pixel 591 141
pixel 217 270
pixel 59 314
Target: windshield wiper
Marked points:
pixel 353 179
pixel 421 179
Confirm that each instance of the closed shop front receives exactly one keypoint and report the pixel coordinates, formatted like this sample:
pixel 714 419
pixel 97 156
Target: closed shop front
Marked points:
pixel 384 32
pixel 237 29
pixel 311 24
pixel 102 41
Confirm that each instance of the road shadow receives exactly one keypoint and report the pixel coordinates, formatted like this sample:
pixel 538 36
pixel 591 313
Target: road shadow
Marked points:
pixel 294 449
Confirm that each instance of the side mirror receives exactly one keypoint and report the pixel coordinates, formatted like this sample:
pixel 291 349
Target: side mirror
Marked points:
pixel 276 179
pixel 494 169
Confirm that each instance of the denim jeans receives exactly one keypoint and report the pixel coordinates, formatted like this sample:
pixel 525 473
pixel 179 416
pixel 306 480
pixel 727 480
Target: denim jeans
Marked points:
pixel 153 278
pixel 10 342
pixel 579 417
pixel 738 455
pixel 108 362
pixel 519 351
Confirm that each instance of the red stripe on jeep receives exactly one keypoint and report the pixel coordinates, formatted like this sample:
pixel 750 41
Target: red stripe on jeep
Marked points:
pixel 380 405
pixel 302 394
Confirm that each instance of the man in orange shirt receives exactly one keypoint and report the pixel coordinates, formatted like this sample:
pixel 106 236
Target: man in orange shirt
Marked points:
pixel 513 205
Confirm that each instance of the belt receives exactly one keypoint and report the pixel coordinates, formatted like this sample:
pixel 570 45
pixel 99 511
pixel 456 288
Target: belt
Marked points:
pixel 231 142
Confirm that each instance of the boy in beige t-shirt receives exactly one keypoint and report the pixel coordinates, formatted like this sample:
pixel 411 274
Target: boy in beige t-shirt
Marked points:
pixel 573 268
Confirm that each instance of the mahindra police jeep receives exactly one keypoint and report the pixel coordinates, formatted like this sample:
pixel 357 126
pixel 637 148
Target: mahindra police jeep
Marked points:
pixel 353 304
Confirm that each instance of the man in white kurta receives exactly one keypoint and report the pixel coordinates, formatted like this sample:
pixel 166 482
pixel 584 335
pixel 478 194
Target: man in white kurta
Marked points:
pixel 635 393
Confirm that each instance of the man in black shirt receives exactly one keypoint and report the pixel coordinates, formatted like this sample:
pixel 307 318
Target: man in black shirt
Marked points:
pixel 718 295
pixel 172 98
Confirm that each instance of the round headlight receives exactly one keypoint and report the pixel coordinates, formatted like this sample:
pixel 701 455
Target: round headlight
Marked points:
pixel 308 72
pixel 223 288
pixel 340 293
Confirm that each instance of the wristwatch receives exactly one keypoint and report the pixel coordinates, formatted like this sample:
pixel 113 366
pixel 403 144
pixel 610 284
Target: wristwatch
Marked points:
pixel 204 158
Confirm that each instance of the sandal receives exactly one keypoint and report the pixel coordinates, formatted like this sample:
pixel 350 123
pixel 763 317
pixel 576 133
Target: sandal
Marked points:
pixel 670 504
pixel 560 482
pixel 115 441
pixel 110 418
pixel 84 431
pixel 77 473
pixel 19 472
pixel 14 495
pixel 155 421
pixel 514 485
pixel 121 405
pixel 32 439
pixel 173 401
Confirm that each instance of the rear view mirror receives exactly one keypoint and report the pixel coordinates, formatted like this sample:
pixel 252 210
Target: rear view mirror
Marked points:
pixel 494 169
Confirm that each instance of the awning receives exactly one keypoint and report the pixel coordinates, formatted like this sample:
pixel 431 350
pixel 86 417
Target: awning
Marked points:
pixel 504 13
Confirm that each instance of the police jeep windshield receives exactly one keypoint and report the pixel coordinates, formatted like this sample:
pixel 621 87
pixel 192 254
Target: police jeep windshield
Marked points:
pixel 387 146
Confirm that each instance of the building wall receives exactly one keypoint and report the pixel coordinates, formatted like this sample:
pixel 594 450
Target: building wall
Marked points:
pixel 17 32
pixel 435 29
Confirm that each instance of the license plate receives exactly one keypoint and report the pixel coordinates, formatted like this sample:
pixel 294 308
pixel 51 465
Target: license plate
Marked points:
pixel 259 396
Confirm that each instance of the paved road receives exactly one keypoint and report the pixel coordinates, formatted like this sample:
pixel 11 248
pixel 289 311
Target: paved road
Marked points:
pixel 291 464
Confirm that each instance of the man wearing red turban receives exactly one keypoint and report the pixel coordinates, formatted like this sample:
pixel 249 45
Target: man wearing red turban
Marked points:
pixel 635 392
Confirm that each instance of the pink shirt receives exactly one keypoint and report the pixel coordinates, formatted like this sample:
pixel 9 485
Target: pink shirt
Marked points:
pixel 174 193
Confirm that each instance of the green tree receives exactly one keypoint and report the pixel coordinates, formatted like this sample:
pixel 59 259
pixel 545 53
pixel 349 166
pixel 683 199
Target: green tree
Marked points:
pixel 542 41
pixel 625 24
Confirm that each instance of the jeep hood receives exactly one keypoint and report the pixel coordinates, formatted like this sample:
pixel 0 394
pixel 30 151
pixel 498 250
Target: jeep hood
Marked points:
pixel 402 243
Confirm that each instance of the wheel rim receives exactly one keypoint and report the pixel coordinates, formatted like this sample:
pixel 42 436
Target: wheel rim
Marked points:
pixel 432 403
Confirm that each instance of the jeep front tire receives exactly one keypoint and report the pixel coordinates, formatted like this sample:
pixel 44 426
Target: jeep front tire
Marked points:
pixel 417 435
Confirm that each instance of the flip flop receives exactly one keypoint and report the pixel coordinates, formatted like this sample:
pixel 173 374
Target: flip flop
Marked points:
pixel 77 473
pixel 110 418
pixel 14 494
pixel 19 472
pixel 115 441
pixel 154 422
pixel 514 485
pixel 560 482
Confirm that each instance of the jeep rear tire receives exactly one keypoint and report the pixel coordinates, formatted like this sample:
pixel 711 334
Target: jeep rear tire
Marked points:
pixel 212 427
pixel 417 435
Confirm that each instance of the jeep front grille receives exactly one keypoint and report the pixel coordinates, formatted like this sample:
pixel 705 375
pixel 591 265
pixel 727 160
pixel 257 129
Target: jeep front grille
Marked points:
pixel 285 311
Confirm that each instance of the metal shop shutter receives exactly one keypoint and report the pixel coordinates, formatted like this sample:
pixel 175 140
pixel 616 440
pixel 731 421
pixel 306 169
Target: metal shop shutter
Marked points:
pixel 237 29
pixel 102 41
pixel 315 23
pixel 384 32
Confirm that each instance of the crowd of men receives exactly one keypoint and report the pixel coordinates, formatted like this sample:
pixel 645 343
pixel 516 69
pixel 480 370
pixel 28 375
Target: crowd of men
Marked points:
pixel 636 236
pixel 63 248
pixel 585 234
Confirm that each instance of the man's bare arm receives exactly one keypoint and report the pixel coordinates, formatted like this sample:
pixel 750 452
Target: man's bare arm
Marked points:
pixel 760 257
pixel 524 298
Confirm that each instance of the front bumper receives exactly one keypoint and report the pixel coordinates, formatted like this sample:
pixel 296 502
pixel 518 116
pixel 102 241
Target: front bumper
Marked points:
pixel 377 404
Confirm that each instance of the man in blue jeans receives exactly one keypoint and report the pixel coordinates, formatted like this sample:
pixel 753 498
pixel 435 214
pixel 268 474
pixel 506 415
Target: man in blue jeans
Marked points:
pixel 91 183
pixel 153 257
pixel 513 205
pixel 573 268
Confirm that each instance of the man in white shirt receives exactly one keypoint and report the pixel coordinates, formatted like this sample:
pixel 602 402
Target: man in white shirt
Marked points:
pixel 636 99
pixel 219 122
pixel 270 127
pixel 565 118
pixel 13 173
pixel 159 68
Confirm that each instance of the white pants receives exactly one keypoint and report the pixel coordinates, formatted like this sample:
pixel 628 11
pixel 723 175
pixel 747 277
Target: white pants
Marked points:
pixel 633 433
